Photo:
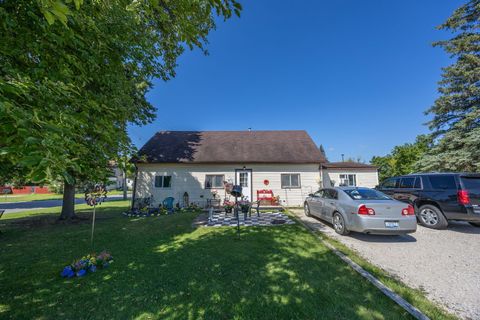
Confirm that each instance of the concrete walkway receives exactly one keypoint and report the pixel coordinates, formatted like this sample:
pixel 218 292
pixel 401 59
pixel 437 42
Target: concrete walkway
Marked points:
pixel 443 263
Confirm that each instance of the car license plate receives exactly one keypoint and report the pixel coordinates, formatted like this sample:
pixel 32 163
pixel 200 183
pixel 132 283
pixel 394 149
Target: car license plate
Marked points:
pixel 391 224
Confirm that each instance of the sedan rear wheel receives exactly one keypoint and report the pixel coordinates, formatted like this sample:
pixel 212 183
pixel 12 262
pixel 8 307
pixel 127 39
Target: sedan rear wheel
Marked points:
pixel 339 224
pixel 306 208
pixel 431 217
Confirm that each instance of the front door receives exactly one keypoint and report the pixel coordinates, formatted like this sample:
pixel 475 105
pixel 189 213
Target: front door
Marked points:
pixel 243 177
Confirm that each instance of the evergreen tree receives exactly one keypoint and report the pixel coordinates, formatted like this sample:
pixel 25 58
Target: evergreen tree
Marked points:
pixel 322 151
pixel 456 114
pixel 402 160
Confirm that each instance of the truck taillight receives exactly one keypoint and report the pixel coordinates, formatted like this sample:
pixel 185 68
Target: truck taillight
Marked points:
pixel 408 211
pixel 365 211
pixel 463 197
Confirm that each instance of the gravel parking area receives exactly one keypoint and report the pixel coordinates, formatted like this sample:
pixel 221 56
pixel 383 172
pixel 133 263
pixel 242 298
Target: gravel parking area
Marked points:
pixel 443 263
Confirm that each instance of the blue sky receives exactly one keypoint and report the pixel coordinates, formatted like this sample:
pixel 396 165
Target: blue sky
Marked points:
pixel 356 75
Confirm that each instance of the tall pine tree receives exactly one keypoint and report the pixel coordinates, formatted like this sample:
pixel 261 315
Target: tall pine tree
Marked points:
pixel 456 114
pixel 322 151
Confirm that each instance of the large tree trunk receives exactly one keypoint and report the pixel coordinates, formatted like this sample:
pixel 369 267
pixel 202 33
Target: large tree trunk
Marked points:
pixel 125 187
pixel 68 206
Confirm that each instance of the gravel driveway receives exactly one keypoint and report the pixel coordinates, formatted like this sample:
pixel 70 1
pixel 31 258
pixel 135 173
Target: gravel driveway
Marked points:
pixel 443 263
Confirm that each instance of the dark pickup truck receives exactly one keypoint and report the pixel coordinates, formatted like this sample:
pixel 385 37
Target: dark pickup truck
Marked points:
pixel 438 197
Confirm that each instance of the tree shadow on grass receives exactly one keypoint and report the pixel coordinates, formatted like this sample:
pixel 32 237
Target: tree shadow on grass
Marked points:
pixel 166 269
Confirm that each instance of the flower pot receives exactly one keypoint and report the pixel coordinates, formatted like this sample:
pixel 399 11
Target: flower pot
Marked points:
pixel 228 210
pixel 245 209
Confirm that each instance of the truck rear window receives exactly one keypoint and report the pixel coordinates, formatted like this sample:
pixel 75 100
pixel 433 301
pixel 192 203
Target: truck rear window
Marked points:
pixel 471 183
pixel 443 182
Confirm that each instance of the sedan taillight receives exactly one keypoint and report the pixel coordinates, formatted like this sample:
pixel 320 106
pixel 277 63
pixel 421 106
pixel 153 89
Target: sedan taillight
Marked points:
pixel 463 197
pixel 365 211
pixel 408 211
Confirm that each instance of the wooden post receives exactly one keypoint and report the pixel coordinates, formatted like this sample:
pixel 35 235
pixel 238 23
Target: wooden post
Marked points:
pixel 238 216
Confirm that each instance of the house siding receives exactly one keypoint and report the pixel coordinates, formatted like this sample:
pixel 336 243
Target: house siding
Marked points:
pixel 365 177
pixel 190 178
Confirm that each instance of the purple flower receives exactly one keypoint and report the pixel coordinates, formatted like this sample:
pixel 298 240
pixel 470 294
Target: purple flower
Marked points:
pixel 67 272
pixel 81 273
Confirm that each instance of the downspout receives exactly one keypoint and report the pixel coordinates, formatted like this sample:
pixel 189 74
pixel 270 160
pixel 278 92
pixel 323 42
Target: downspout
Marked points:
pixel 134 186
pixel 321 176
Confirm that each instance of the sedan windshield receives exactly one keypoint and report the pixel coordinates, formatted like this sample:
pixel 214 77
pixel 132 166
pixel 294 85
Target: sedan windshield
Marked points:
pixel 366 194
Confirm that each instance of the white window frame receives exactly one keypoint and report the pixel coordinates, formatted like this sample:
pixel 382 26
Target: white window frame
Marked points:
pixel 289 186
pixel 162 184
pixel 345 179
pixel 214 175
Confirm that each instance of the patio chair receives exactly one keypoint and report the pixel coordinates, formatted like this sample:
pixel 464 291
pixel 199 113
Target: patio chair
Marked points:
pixel 168 204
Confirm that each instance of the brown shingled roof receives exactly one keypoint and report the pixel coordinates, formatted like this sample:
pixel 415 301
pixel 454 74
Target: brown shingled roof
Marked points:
pixel 347 165
pixel 230 147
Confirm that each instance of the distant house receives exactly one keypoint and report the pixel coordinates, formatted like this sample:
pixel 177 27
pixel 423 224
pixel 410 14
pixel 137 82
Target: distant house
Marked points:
pixel 349 174
pixel 192 166
pixel 116 180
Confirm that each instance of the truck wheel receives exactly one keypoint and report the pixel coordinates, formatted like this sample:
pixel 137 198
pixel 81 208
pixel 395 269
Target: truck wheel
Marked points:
pixel 475 224
pixel 431 217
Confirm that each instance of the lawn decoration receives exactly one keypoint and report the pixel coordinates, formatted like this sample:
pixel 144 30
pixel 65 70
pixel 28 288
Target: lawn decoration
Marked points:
pixel 93 196
pixel 87 264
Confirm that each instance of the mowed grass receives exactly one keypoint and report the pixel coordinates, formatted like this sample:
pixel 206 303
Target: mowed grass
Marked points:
pixel 40 197
pixel 54 212
pixel 167 269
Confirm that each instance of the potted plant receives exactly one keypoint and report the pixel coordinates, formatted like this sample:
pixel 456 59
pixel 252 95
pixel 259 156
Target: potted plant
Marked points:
pixel 244 206
pixel 228 206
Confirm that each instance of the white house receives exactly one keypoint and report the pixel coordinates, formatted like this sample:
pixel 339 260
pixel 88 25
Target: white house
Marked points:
pixel 349 174
pixel 192 166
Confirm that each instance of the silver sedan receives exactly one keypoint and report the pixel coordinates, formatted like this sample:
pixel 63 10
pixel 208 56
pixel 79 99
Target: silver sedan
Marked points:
pixel 361 210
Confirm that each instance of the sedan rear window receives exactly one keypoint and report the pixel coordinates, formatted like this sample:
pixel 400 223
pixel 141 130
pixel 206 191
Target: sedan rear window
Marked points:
pixel 366 194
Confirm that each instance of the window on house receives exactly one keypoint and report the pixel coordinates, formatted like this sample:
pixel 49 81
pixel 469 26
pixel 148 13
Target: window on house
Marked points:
pixel 349 180
pixel 214 181
pixel 290 180
pixel 163 181
pixel 243 179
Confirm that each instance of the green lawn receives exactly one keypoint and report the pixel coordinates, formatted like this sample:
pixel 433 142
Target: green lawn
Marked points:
pixel 165 268
pixel 39 197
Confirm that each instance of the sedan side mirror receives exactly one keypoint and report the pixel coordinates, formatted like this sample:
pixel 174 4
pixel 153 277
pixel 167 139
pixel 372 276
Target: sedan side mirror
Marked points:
pixel 311 195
